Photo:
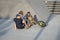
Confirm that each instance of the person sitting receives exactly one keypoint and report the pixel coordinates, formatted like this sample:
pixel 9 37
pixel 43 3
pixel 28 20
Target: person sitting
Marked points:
pixel 29 19
pixel 22 17
pixel 18 22
pixel 21 14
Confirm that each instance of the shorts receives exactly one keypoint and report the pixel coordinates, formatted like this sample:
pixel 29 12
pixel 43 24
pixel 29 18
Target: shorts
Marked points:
pixel 20 27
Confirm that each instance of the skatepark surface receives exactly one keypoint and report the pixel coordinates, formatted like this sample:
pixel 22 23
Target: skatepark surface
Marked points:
pixel 8 10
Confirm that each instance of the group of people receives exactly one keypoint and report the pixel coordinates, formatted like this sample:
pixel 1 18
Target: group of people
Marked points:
pixel 21 21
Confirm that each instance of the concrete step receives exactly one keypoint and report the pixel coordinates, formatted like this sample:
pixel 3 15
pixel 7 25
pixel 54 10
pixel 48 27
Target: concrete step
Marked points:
pixel 52 2
pixel 52 5
pixel 56 12
pixel 54 9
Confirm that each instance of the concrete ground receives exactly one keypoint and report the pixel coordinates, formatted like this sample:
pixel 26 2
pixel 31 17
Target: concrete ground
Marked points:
pixel 50 32
pixel 7 32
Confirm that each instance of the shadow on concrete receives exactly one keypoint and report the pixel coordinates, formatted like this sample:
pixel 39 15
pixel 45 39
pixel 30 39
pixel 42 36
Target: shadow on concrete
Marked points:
pixel 2 20
pixel 4 32
pixel 7 17
pixel 3 26
pixel 0 17
pixel 58 36
pixel 39 33
pixel 51 16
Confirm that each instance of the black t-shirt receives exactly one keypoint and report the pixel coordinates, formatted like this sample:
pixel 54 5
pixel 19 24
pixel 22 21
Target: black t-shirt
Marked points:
pixel 19 23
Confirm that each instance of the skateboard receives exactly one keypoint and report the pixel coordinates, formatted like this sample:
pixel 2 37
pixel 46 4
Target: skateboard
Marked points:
pixel 41 23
